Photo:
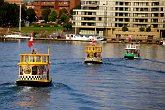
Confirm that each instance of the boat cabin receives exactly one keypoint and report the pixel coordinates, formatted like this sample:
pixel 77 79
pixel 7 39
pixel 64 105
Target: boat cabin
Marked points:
pixel 93 54
pixel 34 70
pixel 132 51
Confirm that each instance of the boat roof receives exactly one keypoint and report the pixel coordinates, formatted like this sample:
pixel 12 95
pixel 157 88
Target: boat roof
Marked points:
pixel 132 46
pixel 93 48
pixel 37 54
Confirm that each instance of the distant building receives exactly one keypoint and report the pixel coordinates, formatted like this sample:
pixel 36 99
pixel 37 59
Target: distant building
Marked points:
pixel 107 17
pixel 39 5
pixel 14 1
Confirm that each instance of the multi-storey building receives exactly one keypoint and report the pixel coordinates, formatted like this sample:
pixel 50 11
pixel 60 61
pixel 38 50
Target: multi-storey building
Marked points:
pixel 39 5
pixel 107 17
pixel 18 2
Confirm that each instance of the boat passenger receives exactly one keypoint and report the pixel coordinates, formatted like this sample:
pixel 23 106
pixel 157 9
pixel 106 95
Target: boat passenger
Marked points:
pixel 33 51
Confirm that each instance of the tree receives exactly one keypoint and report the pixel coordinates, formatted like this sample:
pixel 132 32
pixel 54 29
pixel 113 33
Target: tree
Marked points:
pixel 142 29
pixel 124 28
pixel 52 16
pixel 7 18
pixel 64 18
pixel 31 15
pixel 1 2
pixel 148 29
pixel 71 11
pixel 45 12
pixel 67 25
pixel 63 11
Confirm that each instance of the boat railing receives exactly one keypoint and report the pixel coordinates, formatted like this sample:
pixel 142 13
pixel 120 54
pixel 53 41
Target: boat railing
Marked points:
pixel 33 77
pixel 132 46
pixel 94 58
pixel 34 58
pixel 90 49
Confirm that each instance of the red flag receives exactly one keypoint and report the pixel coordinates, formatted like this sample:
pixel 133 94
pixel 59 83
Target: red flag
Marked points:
pixel 93 40
pixel 130 38
pixel 30 43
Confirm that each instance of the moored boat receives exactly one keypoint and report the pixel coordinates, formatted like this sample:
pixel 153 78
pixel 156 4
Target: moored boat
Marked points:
pixel 132 51
pixel 34 70
pixel 93 54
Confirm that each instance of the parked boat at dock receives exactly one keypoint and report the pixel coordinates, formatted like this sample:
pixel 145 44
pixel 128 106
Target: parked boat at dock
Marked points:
pixel 16 36
pixel 34 70
pixel 132 51
pixel 79 37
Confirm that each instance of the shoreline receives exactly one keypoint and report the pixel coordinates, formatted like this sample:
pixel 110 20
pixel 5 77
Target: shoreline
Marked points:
pixel 62 39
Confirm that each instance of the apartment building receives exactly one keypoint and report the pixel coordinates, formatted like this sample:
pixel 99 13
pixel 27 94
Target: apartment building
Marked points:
pixel 39 5
pixel 107 17
pixel 14 1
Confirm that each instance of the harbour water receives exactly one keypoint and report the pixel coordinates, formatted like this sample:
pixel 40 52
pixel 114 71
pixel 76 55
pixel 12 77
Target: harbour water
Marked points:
pixel 117 84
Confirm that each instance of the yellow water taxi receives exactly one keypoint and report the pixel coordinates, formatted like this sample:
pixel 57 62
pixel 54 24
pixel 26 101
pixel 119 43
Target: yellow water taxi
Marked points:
pixel 93 54
pixel 34 70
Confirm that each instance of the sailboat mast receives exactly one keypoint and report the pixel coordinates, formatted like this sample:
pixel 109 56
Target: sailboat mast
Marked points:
pixel 20 17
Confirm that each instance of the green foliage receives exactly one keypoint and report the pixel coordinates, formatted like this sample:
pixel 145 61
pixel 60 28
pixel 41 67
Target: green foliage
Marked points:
pixel 141 29
pixel 71 11
pixel 148 29
pixel 52 16
pixel 125 28
pixel 9 15
pixel 30 15
pixel 44 24
pixel 45 12
pixel 67 25
pixel 62 11
pixel 1 2
pixel 64 18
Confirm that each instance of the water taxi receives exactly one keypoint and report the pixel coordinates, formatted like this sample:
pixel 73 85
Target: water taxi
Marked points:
pixel 34 70
pixel 93 54
pixel 132 51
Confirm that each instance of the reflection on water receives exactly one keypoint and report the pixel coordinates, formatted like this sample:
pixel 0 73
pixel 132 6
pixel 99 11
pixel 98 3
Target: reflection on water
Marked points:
pixel 33 97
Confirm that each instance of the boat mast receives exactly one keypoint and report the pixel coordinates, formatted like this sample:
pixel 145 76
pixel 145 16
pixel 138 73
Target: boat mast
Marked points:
pixel 20 17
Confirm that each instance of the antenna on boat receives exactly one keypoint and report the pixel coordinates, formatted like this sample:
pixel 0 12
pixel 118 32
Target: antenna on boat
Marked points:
pixel 20 17
pixel 48 50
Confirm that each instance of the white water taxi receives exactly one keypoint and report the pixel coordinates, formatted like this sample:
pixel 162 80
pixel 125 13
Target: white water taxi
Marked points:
pixel 34 70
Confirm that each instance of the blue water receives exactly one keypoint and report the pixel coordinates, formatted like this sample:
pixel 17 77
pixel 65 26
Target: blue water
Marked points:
pixel 117 84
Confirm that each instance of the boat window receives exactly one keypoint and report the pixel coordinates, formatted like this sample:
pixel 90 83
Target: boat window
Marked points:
pixel 44 59
pixel 94 54
pixel 21 70
pixel 40 70
pixel 31 58
pixel 22 58
pixel 38 58
pixel 26 58
pixel 34 70
pixel 87 55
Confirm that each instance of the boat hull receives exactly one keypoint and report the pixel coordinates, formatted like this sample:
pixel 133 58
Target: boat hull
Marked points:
pixel 93 62
pixel 130 56
pixel 34 83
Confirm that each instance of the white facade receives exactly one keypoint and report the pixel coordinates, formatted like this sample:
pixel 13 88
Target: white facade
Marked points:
pixel 102 15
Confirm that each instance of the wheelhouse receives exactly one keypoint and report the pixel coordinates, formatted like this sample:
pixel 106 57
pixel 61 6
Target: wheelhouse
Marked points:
pixel 93 54
pixel 132 51
pixel 34 70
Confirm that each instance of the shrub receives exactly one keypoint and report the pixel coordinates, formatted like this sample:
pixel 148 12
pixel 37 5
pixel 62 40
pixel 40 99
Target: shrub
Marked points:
pixel 148 29
pixel 142 29
pixel 125 28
